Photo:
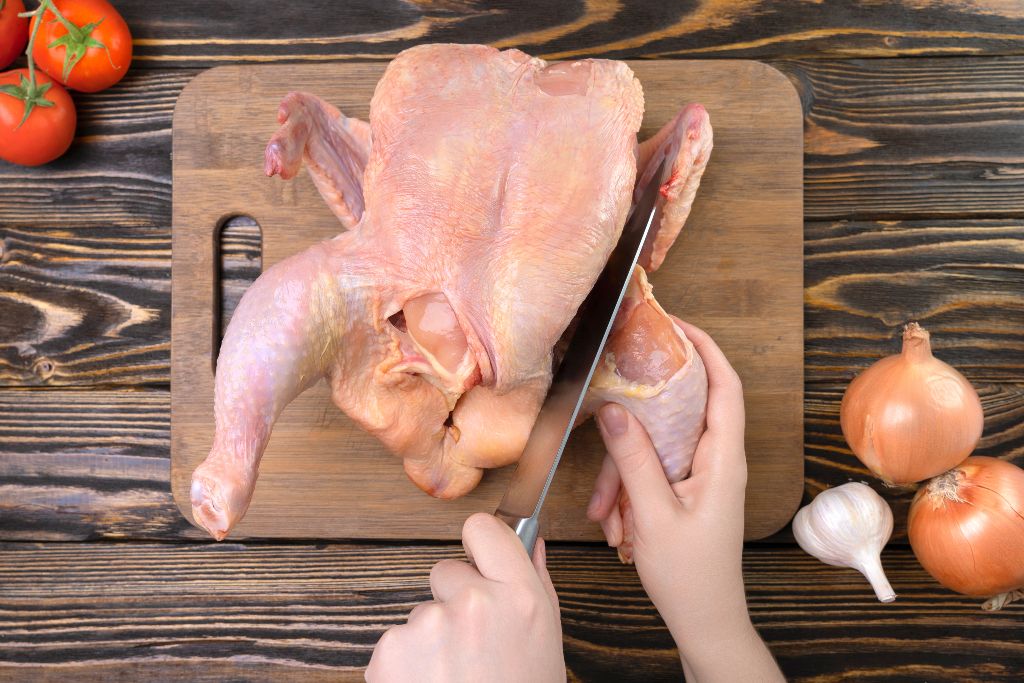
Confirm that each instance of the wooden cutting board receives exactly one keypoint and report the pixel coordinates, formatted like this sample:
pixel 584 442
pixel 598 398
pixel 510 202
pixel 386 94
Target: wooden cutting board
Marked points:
pixel 736 271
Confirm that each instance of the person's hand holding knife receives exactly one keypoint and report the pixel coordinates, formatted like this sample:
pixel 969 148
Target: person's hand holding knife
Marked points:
pixel 497 619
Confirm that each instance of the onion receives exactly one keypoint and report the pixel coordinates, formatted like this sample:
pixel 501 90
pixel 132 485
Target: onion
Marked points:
pixel 910 416
pixel 967 528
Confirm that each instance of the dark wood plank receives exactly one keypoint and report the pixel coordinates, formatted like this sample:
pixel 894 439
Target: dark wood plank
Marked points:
pixel 883 139
pixel 194 33
pixel 241 261
pixel 288 612
pixel 92 306
pixel 962 280
pixel 84 306
pixel 899 138
pixel 118 170
pixel 863 280
pixel 79 465
pixel 87 464
pixel 983 264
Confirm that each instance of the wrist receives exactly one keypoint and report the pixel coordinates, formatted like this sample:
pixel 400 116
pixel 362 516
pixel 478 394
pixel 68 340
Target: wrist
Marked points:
pixel 700 656
pixel 732 634
pixel 716 615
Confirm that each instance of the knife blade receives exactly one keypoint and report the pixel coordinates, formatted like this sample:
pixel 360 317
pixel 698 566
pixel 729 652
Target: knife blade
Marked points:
pixel 521 505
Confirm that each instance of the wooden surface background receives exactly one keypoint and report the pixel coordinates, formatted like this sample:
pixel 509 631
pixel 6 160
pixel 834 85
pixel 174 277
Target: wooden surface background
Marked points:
pixel 914 209
pixel 736 271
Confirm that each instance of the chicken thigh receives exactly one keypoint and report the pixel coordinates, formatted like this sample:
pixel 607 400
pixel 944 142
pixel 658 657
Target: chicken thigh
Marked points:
pixel 481 202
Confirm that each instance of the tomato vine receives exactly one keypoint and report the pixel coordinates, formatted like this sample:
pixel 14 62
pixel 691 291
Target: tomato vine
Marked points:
pixel 76 42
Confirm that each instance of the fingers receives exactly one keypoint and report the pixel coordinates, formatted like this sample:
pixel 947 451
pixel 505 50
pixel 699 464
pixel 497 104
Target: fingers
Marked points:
pixel 720 452
pixel 604 504
pixel 540 563
pixel 406 642
pixel 612 527
pixel 426 612
pixel 725 391
pixel 449 577
pixel 637 462
pixel 606 491
pixel 495 549
pixel 384 664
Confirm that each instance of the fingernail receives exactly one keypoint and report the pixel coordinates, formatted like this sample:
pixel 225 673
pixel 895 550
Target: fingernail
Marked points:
pixel 595 501
pixel 542 550
pixel 614 419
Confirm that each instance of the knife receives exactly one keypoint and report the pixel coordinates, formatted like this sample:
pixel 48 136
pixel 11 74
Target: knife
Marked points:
pixel 520 507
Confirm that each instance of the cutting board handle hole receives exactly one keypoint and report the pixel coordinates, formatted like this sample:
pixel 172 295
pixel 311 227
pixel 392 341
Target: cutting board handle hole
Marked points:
pixel 239 245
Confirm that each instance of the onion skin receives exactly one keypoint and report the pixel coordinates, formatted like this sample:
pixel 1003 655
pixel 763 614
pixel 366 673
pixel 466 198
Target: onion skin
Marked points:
pixel 967 527
pixel 910 417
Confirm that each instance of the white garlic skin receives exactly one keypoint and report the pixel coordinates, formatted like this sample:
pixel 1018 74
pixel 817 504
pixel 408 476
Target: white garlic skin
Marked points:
pixel 847 526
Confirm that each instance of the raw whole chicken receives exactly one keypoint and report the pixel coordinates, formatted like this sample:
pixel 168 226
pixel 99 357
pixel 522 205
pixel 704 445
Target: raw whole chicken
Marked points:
pixel 480 203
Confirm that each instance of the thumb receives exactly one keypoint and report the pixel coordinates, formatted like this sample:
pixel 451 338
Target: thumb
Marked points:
pixel 494 549
pixel 639 467
pixel 540 563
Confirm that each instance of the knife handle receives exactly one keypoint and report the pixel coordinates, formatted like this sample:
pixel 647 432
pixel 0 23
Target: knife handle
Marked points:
pixel 526 529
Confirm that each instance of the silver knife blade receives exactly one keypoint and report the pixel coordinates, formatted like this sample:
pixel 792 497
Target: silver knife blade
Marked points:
pixel 522 503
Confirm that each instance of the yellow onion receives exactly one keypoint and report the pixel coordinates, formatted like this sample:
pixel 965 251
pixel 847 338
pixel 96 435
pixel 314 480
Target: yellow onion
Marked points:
pixel 910 416
pixel 967 528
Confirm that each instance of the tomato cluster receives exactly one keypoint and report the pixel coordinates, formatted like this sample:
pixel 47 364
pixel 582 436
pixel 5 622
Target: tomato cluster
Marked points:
pixel 79 44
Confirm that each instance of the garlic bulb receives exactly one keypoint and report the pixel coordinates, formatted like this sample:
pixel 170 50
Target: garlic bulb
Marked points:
pixel 847 526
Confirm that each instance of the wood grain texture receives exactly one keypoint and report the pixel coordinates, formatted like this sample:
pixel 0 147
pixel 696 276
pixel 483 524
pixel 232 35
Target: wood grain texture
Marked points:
pixel 117 172
pixel 301 612
pixel 743 240
pixel 912 138
pixel 80 465
pixel 931 117
pixel 883 138
pixel 193 33
pixel 241 262
pixel 84 306
pixel 962 280
pixel 92 306
pixel 919 139
pixel 864 280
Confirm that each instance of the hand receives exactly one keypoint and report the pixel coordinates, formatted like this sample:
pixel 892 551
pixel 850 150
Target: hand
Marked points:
pixel 497 621
pixel 688 536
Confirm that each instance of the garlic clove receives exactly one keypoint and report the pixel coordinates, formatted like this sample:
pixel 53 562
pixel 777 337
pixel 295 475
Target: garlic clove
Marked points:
pixel 847 526
pixel 871 568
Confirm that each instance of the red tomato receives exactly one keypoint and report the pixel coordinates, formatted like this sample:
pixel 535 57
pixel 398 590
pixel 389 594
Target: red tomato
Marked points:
pixel 96 57
pixel 46 133
pixel 13 31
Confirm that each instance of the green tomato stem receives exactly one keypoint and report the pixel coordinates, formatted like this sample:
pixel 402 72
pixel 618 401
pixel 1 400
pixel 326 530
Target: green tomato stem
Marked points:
pixel 60 17
pixel 76 41
pixel 39 13
pixel 32 41
pixel 29 91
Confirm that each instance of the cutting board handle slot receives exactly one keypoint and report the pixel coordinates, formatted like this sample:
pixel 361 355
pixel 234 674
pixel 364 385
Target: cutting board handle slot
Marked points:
pixel 238 255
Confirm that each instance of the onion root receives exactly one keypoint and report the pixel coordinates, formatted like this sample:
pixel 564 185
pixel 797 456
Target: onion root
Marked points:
pixel 996 603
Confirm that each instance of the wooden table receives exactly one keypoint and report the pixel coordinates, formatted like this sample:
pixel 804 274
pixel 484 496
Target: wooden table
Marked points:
pixel 914 210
